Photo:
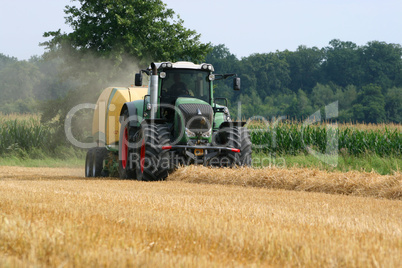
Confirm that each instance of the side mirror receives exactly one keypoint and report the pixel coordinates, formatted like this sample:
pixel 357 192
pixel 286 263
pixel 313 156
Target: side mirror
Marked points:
pixel 138 79
pixel 236 83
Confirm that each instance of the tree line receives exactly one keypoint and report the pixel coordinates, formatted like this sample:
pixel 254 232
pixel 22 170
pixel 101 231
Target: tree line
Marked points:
pixel 365 80
pixel 110 41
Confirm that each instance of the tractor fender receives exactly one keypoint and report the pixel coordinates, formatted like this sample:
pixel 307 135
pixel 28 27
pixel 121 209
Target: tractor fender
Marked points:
pixel 132 112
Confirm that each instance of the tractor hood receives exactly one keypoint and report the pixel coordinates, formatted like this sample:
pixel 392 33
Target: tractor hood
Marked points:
pixel 182 100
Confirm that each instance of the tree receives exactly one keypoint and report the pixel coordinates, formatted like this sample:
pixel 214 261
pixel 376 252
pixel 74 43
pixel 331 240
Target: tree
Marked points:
pixel 304 105
pixel 109 41
pixel 304 66
pixel 322 95
pixel 268 74
pixel 6 60
pixel 17 83
pixel 382 64
pixel 222 59
pixel 342 65
pixel 369 106
pixel 145 30
pixel 393 105
pixel 300 107
pixel 347 98
pixel 293 109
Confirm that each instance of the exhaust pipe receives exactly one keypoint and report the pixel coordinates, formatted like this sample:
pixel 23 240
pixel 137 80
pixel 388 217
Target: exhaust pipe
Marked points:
pixel 154 91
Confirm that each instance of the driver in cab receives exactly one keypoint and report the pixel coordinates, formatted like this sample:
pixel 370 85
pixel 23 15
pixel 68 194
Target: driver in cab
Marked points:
pixel 178 88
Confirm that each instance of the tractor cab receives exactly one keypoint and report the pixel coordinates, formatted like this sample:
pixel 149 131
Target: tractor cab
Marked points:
pixel 185 83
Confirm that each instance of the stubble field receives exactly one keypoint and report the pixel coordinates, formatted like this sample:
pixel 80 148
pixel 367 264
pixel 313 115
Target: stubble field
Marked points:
pixel 200 217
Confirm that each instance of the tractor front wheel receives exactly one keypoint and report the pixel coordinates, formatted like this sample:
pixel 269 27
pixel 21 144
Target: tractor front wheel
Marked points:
pixel 239 138
pixel 153 162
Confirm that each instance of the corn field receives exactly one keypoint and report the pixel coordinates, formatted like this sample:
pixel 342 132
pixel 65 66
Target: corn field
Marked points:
pixel 23 134
pixel 294 139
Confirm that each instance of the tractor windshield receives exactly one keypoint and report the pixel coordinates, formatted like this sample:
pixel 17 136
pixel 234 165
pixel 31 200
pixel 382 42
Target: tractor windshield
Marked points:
pixel 186 83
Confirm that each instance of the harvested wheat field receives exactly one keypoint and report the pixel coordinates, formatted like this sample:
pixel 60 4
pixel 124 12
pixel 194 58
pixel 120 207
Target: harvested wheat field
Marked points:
pixel 200 217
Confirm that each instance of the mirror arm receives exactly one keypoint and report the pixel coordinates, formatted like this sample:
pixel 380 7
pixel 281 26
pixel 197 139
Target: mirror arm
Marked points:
pixel 228 75
pixel 223 76
pixel 146 71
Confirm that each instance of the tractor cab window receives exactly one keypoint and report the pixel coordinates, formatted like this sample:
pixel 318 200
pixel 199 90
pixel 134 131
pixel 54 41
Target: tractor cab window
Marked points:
pixel 185 83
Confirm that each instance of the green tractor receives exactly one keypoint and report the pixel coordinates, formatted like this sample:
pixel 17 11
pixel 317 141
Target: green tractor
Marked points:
pixel 176 122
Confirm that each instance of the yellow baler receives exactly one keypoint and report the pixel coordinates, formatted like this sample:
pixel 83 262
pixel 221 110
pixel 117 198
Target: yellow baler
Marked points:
pixel 106 125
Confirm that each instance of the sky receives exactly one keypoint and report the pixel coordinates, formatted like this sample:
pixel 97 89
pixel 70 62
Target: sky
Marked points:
pixel 245 27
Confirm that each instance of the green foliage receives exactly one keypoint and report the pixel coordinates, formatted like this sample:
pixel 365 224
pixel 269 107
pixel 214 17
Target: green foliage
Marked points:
pixel 382 64
pixel 23 135
pixel 304 66
pixel 142 29
pixel 370 105
pixel 38 158
pixel 6 60
pixel 17 84
pixel 393 105
pixel 28 138
pixel 266 72
pixel 342 65
pixel 382 142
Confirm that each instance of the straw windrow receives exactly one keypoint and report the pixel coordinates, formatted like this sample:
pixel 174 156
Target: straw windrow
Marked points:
pixel 309 180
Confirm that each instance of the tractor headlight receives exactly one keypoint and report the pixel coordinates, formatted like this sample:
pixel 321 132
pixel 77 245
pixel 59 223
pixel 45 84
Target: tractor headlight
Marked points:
pixel 207 134
pixel 208 67
pixel 189 133
pixel 166 65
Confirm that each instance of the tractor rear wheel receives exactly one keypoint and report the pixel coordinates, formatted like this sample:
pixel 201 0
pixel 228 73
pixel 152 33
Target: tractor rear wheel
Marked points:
pixel 126 167
pixel 153 163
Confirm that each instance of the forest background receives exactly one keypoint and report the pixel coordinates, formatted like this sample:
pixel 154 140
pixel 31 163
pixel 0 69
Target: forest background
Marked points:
pixel 365 80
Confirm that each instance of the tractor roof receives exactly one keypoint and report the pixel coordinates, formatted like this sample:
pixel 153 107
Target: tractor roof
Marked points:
pixel 181 65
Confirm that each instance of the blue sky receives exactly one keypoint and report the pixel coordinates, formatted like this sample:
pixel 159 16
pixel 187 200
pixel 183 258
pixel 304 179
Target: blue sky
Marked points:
pixel 245 27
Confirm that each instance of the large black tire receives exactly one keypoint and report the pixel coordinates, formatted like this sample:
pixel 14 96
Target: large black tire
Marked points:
pixel 94 162
pixel 98 157
pixel 246 147
pixel 126 168
pixel 88 163
pixel 153 163
pixel 239 138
